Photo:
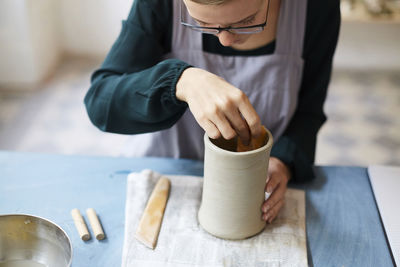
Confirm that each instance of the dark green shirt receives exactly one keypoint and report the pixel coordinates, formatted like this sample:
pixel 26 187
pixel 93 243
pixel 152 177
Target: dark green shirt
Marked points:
pixel 134 90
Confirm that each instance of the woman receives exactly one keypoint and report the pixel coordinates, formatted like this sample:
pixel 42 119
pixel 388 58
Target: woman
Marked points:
pixel 226 67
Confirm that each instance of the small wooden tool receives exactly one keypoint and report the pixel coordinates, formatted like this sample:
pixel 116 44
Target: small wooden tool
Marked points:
pixel 95 223
pixel 150 223
pixel 80 225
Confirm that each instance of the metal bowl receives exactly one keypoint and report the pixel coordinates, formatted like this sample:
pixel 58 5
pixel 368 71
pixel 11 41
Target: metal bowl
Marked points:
pixel 27 240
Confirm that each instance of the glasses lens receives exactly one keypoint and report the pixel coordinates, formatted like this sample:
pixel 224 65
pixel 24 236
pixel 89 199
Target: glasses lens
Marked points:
pixel 205 30
pixel 246 30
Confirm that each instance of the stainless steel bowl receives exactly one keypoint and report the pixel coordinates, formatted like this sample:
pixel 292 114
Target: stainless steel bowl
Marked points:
pixel 27 240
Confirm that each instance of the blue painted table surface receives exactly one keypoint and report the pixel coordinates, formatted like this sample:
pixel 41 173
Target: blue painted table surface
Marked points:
pixel 343 224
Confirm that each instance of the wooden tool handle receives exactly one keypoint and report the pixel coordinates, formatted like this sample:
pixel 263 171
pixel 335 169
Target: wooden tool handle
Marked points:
pixel 150 223
pixel 80 225
pixel 95 223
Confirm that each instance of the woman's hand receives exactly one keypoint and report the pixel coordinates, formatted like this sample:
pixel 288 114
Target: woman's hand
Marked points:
pixel 278 177
pixel 218 107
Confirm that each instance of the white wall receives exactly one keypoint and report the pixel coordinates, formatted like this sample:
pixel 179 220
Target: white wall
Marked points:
pixel 28 41
pixel 44 35
pixel 368 46
pixel 35 33
pixel 90 27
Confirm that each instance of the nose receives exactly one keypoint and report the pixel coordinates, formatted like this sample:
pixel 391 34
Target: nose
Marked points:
pixel 226 38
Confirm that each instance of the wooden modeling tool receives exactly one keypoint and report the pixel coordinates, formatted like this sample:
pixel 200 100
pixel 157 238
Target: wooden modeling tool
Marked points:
pixel 150 223
pixel 80 225
pixel 95 224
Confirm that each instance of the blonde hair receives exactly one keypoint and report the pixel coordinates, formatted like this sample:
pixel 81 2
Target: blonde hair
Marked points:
pixel 210 2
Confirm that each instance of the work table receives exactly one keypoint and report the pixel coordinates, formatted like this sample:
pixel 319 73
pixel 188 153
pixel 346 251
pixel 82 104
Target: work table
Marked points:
pixel 343 223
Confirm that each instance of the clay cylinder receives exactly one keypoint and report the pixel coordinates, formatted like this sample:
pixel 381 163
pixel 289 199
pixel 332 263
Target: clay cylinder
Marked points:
pixel 233 190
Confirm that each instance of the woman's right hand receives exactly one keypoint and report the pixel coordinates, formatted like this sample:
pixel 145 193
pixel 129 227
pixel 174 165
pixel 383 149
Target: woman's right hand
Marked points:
pixel 219 108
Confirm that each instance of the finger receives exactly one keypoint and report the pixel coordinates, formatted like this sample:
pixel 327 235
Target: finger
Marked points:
pixel 274 198
pixel 272 182
pixel 228 106
pixel 223 125
pixel 273 212
pixel 250 115
pixel 211 130
pixel 239 125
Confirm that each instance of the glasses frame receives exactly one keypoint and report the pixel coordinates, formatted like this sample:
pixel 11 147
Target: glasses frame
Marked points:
pixel 217 30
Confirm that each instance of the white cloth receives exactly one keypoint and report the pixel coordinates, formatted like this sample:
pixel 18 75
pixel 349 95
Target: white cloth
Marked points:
pixel 182 241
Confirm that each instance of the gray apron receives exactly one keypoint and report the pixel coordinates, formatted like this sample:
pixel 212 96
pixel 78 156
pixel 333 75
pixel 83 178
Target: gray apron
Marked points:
pixel 271 82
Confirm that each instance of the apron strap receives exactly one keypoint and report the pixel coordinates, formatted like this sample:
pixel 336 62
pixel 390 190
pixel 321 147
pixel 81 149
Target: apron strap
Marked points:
pixel 182 36
pixel 291 27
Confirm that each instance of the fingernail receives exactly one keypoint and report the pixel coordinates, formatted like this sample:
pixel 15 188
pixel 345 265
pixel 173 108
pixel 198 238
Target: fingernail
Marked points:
pixel 266 208
pixel 265 217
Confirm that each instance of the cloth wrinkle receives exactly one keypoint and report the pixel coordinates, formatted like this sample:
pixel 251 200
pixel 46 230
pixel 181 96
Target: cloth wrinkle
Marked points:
pixel 183 242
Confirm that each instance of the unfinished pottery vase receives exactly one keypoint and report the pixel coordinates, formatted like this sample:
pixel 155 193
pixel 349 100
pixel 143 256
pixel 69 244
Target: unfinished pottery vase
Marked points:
pixel 233 189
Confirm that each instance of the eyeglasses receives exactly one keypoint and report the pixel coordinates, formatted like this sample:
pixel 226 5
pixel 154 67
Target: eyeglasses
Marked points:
pixel 235 30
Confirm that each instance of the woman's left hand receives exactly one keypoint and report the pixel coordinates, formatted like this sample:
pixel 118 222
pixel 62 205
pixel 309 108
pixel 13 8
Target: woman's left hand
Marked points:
pixel 278 177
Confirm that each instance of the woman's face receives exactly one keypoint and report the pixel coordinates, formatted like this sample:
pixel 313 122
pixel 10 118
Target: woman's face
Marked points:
pixel 235 13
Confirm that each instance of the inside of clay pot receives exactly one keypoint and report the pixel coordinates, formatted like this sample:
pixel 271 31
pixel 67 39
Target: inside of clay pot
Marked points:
pixel 230 145
pixel 236 145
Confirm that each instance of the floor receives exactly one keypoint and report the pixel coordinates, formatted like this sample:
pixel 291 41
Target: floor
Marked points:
pixel 363 109
pixel 53 119
pixel 363 126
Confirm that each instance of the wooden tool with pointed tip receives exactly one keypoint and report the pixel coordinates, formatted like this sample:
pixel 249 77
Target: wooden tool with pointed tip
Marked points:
pixel 150 223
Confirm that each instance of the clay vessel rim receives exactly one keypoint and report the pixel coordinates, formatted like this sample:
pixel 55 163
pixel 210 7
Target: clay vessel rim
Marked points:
pixel 267 146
